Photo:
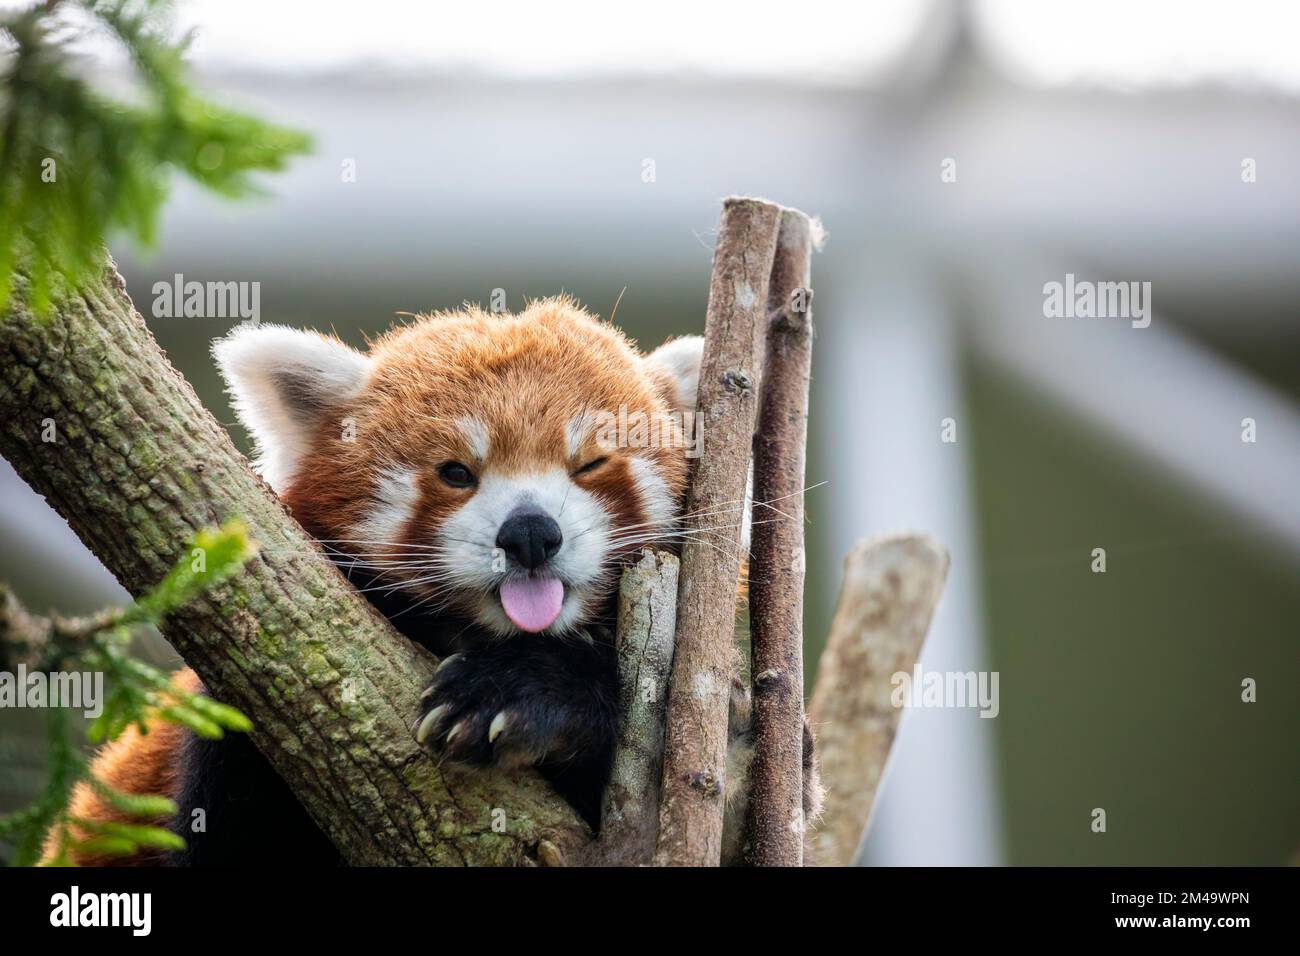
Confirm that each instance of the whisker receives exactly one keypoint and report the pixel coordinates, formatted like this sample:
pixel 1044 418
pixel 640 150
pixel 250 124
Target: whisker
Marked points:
pixel 735 504
pixel 678 532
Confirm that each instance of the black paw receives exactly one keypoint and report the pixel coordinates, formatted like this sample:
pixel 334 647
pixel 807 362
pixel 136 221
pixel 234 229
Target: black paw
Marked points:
pixel 468 718
pixel 513 704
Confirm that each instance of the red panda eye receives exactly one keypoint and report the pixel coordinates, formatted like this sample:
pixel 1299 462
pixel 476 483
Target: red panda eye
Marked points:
pixel 591 466
pixel 457 475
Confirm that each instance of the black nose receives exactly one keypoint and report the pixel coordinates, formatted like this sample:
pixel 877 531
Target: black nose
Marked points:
pixel 530 537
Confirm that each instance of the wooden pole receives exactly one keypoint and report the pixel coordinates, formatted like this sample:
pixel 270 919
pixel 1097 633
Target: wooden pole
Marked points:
pixel 647 616
pixel 890 589
pixel 694 777
pixel 775 828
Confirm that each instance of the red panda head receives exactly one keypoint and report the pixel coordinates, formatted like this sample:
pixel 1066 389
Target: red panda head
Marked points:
pixel 495 465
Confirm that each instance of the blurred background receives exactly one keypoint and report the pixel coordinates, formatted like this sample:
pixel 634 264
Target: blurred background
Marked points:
pixel 961 155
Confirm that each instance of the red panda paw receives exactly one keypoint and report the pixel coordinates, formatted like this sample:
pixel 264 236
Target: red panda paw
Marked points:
pixel 519 702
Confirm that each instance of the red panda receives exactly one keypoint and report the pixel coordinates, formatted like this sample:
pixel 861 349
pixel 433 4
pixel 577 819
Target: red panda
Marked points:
pixel 464 475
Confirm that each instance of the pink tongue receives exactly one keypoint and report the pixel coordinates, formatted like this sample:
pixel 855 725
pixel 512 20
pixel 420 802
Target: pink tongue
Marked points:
pixel 532 603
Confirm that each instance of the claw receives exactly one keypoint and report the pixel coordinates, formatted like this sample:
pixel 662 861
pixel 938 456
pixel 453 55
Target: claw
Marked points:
pixel 498 724
pixel 427 724
pixel 454 731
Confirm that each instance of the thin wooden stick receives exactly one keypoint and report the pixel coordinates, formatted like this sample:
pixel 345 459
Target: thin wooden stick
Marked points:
pixel 647 617
pixel 775 828
pixel 694 778
pixel 890 589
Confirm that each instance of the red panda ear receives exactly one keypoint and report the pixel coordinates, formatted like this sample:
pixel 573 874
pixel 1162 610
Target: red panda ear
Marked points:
pixel 678 360
pixel 282 382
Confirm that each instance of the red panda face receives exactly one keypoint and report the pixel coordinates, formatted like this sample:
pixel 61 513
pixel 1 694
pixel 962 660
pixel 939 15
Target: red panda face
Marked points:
pixel 497 466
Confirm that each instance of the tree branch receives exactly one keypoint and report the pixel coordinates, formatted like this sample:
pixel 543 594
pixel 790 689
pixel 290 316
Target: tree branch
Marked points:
pixel 137 466
pixel 647 618
pixel 694 778
pixel 775 826
pixel 890 589
pixel 24 637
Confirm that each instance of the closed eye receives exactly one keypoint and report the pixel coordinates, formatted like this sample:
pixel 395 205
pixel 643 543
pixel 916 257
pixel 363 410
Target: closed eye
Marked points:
pixel 591 466
pixel 456 475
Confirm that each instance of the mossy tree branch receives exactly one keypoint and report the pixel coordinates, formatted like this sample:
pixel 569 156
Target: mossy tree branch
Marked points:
pixel 137 466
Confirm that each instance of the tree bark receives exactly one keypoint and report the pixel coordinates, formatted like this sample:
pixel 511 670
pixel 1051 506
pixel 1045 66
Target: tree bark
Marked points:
pixel 890 589
pixel 647 622
pixel 775 828
pixel 137 466
pixel 694 777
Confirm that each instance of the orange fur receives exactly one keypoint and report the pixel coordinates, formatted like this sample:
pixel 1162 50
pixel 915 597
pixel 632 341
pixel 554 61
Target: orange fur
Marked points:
pixel 524 376
pixel 134 763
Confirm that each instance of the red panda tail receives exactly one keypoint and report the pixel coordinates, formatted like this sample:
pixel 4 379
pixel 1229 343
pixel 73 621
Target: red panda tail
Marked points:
pixel 135 763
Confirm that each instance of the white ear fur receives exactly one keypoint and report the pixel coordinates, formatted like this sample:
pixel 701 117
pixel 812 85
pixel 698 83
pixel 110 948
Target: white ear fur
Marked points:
pixel 282 381
pixel 680 358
